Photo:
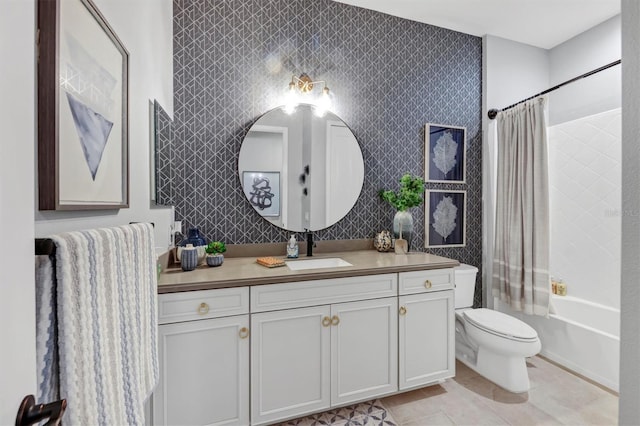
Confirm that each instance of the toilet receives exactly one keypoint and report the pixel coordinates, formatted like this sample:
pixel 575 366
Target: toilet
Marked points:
pixel 492 343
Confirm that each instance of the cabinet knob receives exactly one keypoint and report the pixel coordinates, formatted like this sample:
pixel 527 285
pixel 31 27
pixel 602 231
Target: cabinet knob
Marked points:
pixel 203 309
pixel 335 320
pixel 427 284
pixel 244 333
pixel 326 322
pixel 403 310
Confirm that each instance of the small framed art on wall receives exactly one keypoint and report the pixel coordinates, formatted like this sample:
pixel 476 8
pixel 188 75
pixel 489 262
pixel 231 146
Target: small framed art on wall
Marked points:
pixel 445 153
pixel 445 218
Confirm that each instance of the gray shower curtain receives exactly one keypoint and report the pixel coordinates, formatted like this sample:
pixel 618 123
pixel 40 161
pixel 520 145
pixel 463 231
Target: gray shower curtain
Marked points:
pixel 521 250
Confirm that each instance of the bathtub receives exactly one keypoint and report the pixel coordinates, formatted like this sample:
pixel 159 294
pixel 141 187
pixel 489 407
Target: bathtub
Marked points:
pixel 582 336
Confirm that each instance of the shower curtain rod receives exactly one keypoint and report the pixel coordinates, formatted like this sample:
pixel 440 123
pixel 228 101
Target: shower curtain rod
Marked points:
pixel 494 112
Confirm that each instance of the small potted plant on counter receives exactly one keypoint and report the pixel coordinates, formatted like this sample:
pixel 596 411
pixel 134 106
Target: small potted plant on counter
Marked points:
pixel 214 253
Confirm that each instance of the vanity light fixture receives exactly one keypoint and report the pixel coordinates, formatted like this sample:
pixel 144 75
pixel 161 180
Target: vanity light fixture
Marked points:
pixel 299 88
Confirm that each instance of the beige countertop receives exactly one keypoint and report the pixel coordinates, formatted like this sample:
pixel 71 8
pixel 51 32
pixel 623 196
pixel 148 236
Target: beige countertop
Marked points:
pixel 242 271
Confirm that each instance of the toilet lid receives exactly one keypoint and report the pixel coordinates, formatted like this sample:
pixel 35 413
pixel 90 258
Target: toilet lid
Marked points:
pixel 501 324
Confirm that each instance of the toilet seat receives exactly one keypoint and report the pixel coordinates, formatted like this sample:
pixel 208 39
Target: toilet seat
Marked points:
pixel 500 325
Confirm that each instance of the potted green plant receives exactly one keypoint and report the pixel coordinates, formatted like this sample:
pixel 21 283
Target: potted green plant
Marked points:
pixel 214 253
pixel 409 195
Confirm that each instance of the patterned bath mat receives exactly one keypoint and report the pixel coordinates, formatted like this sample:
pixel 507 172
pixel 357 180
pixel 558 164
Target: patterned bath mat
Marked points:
pixel 370 413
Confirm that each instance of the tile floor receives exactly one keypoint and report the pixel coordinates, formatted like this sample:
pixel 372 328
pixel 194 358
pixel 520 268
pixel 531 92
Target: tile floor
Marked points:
pixel 369 413
pixel 556 397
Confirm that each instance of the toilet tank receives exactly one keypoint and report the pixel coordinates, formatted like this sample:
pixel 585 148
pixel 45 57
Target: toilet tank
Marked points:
pixel 465 280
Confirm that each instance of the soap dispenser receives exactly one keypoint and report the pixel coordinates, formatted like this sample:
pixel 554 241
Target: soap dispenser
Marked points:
pixel 292 248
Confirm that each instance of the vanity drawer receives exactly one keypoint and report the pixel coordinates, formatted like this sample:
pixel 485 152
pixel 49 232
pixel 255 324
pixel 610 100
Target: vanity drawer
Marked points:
pixel 425 281
pixel 273 297
pixel 194 305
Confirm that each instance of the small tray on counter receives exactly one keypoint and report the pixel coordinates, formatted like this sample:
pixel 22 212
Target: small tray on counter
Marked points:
pixel 270 261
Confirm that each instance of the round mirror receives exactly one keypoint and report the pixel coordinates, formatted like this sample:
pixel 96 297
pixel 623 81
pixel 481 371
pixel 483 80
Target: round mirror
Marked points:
pixel 301 171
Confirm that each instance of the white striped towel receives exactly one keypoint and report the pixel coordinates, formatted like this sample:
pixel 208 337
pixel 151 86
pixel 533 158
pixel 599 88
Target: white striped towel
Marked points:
pixel 101 304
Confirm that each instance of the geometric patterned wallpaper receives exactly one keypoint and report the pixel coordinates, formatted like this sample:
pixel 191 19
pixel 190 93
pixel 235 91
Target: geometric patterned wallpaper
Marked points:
pixel 389 76
pixel 163 137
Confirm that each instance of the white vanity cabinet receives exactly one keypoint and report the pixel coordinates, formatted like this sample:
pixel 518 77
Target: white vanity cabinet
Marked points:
pixel 426 327
pixel 203 348
pixel 290 363
pixel 364 350
pixel 266 353
pixel 312 358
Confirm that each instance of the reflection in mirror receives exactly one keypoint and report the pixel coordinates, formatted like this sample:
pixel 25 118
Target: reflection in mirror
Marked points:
pixel 301 171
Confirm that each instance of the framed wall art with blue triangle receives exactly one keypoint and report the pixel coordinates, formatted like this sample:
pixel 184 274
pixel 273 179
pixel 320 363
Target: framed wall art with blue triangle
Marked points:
pixel 83 158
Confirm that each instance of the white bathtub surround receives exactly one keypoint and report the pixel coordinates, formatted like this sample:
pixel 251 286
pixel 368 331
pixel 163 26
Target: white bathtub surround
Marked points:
pixel 585 213
pixel 521 249
pixel 588 314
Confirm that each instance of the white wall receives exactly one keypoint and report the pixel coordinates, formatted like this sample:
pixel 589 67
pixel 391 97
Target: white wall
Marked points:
pixel 630 293
pixel 590 50
pixel 513 71
pixel 146 29
pixel 17 121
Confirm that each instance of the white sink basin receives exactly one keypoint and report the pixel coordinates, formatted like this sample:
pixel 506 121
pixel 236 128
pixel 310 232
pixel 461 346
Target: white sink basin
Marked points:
pixel 334 262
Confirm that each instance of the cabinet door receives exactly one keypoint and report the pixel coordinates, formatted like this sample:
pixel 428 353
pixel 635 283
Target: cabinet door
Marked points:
pixel 204 373
pixel 364 349
pixel 427 339
pixel 289 363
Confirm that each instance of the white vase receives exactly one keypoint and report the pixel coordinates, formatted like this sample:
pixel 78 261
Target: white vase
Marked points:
pixel 403 221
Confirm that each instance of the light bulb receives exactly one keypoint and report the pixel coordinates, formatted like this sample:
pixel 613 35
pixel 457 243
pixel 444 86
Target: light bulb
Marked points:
pixel 291 100
pixel 324 103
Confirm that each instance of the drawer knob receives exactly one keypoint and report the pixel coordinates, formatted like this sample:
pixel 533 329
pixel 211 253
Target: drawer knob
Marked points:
pixel 335 320
pixel 427 284
pixel 203 309
pixel 244 333
pixel 326 322
pixel 403 310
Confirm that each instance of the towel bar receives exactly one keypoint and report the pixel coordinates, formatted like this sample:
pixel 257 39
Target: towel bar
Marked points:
pixel 46 247
pixel 31 413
